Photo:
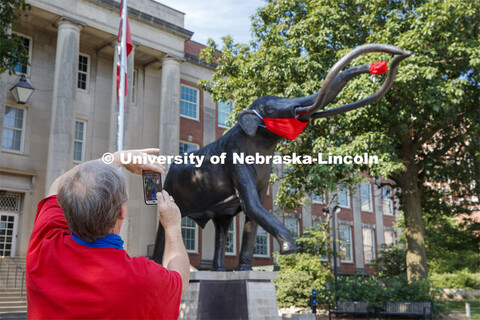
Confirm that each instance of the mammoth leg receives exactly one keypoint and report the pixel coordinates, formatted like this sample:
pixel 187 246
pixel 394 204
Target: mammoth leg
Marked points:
pixel 159 245
pixel 253 208
pixel 248 245
pixel 221 231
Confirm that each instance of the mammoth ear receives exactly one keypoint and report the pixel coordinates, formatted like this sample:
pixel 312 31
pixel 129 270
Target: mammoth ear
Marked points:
pixel 249 122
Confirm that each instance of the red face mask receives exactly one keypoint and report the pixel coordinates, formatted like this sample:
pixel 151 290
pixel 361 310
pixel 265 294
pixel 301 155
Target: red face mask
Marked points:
pixel 288 128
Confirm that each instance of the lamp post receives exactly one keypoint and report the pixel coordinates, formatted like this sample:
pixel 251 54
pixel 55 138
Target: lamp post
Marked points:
pixel 334 212
pixel 22 90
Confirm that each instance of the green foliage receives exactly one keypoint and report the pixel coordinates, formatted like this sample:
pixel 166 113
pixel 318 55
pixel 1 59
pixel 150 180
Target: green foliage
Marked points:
pixel 314 240
pixel 390 262
pixel 377 291
pixel 358 288
pixel 12 51
pixel 422 130
pixel 299 274
pixel 458 280
pixel 303 271
pixel 452 244
pixel 400 289
pixel 294 288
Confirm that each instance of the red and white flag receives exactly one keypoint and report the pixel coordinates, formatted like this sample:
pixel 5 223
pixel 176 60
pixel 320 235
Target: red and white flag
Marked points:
pixel 124 48
pixel 128 46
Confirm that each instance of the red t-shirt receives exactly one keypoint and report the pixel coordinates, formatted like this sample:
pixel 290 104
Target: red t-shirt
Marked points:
pixel 68 280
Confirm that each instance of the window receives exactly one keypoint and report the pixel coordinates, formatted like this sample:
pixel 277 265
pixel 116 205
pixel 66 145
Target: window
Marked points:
pixel 83 72
pixel 13 129
pixel 189 102
pixel 27 43
pixel 189 234
pixel 293 226
pixel 224 110
pixel 368 244
pixel 319 198
pixel 79 141
pixel 387 201
pixel 343 197
pixel 345 237
pixel 186 147
pixel 366 196
pixel 262 243
pixel 389 237
pixel 134 86
pixel 231 246
pixel 9 201
pixel 8 230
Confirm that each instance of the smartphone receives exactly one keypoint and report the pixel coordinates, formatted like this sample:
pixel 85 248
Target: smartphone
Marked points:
pixel 152 183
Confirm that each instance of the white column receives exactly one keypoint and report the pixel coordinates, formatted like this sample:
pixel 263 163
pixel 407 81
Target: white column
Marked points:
pixel 209 119
pixel 358 231
pixel 377 195
pixel 64 89
pixel 170 107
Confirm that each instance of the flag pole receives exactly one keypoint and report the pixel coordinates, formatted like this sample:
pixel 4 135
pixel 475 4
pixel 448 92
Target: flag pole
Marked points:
pixel 122 51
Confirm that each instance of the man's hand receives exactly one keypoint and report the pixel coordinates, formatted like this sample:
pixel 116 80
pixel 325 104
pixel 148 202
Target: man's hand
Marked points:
pixel 168 212
pixel 151 164
pixel 175 256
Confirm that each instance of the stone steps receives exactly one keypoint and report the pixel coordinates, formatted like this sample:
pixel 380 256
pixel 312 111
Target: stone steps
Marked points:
pixel 13 305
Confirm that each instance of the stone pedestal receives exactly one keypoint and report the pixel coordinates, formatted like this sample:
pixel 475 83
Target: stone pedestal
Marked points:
pixel 230 295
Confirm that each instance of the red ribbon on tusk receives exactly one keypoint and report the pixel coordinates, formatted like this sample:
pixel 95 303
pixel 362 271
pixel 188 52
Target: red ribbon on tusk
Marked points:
pixel 379 67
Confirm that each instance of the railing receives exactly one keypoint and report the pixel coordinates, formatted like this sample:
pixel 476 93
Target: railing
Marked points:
pixel 16 270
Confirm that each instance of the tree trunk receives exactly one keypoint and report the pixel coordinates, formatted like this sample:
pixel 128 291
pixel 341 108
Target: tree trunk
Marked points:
pixel 415 246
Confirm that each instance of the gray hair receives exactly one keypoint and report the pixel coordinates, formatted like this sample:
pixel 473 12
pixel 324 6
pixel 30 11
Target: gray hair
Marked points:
pixel 91 198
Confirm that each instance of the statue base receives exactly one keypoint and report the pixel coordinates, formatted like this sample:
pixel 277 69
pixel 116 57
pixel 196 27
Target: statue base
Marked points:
pixel 230 295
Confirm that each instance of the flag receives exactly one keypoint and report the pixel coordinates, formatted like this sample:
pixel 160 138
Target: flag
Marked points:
pixel 129 46
pixel 129 37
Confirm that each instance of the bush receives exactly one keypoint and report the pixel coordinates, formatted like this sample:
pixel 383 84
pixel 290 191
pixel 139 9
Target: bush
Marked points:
pixel 458 280
pixel 301 272
pixel 356 288
pixel 294 288
pixel 399 289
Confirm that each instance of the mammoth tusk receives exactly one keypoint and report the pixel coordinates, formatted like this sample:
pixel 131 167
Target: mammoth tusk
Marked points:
pixel 321 99
pixel 374 97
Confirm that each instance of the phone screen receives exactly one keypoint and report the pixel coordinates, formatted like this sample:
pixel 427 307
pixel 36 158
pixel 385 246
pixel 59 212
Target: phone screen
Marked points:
pixel 152 183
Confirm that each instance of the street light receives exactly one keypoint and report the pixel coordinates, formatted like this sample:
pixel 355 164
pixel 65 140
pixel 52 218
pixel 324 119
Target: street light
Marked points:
pixel 22 90
pixel 336 210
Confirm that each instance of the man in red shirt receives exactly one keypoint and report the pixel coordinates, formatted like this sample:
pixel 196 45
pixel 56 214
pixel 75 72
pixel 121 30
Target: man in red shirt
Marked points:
pixel 76 266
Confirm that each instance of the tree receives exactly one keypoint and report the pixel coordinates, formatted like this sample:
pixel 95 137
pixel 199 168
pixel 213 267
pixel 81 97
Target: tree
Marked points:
pixel 425 129
pixel 12 50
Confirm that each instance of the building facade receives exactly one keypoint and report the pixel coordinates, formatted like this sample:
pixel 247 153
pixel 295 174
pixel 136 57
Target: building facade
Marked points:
pixel 71 118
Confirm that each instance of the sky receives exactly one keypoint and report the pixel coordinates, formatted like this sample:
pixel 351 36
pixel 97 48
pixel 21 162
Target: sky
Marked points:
pixel 217 18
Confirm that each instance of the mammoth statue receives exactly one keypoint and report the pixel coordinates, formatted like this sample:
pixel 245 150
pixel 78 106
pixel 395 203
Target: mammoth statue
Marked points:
pixel 220 192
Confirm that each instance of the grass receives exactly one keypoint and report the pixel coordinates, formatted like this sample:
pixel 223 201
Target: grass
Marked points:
pixel 459 307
